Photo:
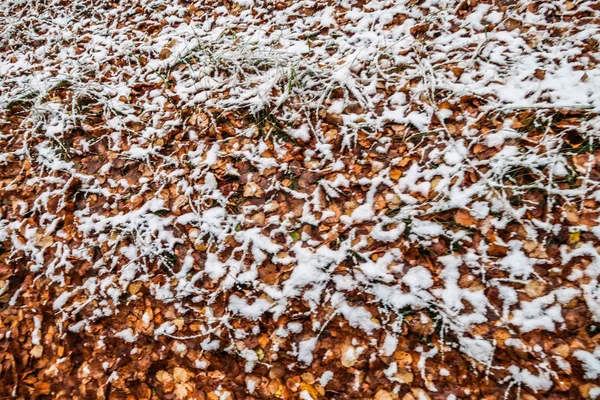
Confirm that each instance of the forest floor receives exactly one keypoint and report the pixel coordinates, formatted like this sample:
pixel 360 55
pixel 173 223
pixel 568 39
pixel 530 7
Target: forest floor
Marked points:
pixel 299 199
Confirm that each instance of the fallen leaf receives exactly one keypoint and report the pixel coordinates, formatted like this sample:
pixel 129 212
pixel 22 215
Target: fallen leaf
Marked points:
pixel 180 375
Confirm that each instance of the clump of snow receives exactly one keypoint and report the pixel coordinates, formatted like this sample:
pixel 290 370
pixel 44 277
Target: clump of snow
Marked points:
pixel 305 350
pixel 590 362
pixel 254 311
pixel 127 335
pixel 325 378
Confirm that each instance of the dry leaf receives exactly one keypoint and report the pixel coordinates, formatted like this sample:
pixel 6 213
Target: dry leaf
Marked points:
pixel 46 241
pixel 36 351
pixel 180 375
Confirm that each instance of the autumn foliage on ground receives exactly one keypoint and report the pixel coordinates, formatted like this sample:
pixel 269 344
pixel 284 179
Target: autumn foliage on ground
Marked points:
pixel 299 199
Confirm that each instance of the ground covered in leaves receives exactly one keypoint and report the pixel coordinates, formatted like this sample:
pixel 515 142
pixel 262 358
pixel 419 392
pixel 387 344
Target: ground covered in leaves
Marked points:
pixel 299 199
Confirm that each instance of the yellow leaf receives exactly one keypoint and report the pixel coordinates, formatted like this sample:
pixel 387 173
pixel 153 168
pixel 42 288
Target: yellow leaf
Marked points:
pixel 574 237
pixel 310 389
pixel 395 173
pixel 134 287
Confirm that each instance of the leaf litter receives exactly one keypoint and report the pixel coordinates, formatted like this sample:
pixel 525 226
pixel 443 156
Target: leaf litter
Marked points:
pixel 247 199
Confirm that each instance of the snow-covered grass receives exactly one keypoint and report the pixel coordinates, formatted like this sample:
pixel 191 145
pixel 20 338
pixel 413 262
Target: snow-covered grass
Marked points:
pixel 282 159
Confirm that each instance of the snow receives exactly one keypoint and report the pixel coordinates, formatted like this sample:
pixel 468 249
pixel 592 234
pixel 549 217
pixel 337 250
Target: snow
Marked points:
pixel 325 378
pixel 251 386
pixel 61 300
pixel 363 213
pixel 210 345
pixel 590 362
pixel 305 350
pixel 418 278
pixel 36 335
pixel 517 263
pixel 294 327
pixel 305 395
pixel 251 358
pixel 389 345
pixel 166 328
pixel 480 349
pixel 165 205
pixel 214 268
pixel 426 228
pixel 127 335
pixel 238 305
pixel 532 381
pixel 538 313
pixel 359 317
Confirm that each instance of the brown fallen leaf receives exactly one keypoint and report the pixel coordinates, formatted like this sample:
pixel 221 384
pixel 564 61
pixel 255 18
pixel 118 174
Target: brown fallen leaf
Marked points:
pixel 464 218
pixel 251 189
pixel 36 351
pixel 46 241
pixel 180 375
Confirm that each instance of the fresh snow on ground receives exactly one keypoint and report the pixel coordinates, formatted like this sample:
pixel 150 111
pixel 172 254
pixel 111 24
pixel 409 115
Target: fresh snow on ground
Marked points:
pixel 360 160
